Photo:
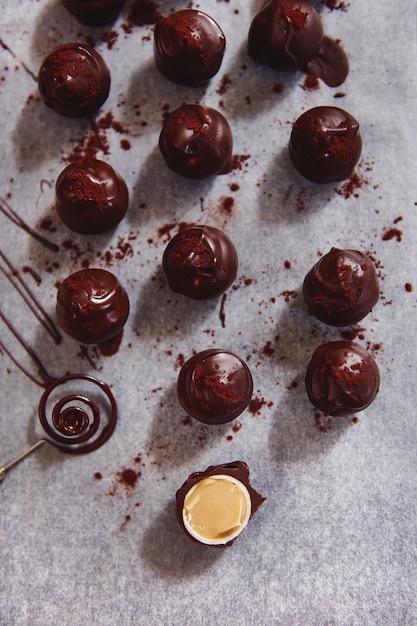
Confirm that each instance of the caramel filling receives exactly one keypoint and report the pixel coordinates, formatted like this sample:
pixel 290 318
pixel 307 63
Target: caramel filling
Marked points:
pixel 216 509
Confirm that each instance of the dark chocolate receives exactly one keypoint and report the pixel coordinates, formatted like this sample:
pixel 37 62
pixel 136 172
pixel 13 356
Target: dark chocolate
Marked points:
pixel 331 63
pixel 74 80
pixel 91 198
pixel 92 306
pixel 75 423
pixel 188 47
pixel 200 262
pixel 238 470
pixel 94 12
pixel 325 144
pixel 214 386
pixel 196 141
pixel 341 288
pixel 342 378
pixel 285 34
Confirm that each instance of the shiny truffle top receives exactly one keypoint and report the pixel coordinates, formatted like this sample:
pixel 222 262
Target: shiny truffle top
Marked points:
pixel 94 12
pixel 342 378
pixel 90 197
pixel 92 306
pixel 196 141
pixel 74 80
pixel 285 34
pixel 188 47
pixel 200 262
pixel 341 288
pixel 325 144
pixel 214 386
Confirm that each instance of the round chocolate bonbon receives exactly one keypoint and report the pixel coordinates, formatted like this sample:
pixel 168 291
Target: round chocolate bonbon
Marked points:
pixel 214 386
pixel 90 197
pixel 285 34
pixel 188 47
pixel 74 80
pixel 341 288
pixel 325 144
pixel 200 262
pixel 92 306
pixel 342 378
pixel 196 141
pixel 94 12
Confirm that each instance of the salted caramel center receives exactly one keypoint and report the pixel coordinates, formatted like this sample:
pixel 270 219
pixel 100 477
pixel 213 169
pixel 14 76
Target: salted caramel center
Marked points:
pixel 216 509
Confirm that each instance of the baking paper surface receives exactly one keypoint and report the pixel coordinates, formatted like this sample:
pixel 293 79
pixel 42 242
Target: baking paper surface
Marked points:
pixel 335 541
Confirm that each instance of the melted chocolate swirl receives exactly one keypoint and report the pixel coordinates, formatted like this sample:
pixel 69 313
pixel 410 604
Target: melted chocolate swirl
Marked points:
pixel 74 422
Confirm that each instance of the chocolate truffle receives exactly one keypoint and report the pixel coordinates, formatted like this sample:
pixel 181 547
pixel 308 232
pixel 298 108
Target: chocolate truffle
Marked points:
pixel 214 506
pixel 94 12
pixel 342 378
pixel 341 288
pixel 188 47
pixel 285 34
pixel 214 386
pixel 196 141
pixel 74 80
pixel 200 262
pixel 92 306
pixel 90 197
pixel 325 144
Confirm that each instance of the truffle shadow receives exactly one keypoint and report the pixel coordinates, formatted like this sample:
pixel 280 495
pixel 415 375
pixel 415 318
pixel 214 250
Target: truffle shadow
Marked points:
pixel 150 189
pixel 40 134
pixel 149 91
pixel 302 431
pixel 175 438
pixel 154 318
pixel 65 28
pixel 290 196
pixel 246 87
pixel 168 552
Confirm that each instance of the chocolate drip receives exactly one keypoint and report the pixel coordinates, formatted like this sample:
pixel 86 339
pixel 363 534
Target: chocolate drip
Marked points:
pixel 12 274
pixel 46 379
pixel 7 210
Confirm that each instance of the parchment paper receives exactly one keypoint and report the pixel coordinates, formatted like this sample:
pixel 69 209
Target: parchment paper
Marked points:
pixel 335 542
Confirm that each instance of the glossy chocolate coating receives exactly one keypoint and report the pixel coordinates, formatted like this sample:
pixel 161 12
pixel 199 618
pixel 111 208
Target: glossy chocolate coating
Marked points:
pixel 74 80
pixel 196 141
pixel 92 306
pixel 331 63
pixel 188 47
pixel 94 12
pixel 91 198
pixel 342 378
pixel 285 34
pixel 76 423
pixel 214 386
pixel 325 144
pixel 238 470
pixel 341 288
pixel 200 262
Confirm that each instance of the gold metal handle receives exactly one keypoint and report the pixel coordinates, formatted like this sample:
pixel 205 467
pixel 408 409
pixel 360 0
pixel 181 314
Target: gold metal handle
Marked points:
pixel 5 468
